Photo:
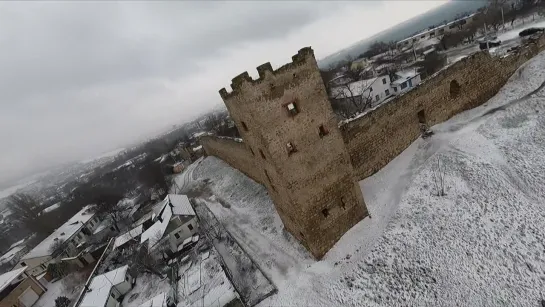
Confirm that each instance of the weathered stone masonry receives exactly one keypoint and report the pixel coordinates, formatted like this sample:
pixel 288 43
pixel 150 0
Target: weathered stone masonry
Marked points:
pixel 380 135
pixel 298 152
pixel 314 188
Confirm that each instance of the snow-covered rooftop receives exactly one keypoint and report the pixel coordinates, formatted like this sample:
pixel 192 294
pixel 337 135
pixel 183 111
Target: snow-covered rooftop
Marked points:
pixel 180 204
pixel 11 253
pixel 103 224
pixel 406 75
pixel 7 278
pixel 101 285
pixel 197 148
pixel 20 242
pixel 52 207
pixel 65 232
pixel 157 230
pixel 129 235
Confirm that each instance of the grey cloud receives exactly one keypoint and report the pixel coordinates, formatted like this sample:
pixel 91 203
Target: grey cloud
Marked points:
pixel 80 78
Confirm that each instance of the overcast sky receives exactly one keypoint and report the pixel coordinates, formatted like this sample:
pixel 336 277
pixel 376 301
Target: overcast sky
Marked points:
pixel 81 78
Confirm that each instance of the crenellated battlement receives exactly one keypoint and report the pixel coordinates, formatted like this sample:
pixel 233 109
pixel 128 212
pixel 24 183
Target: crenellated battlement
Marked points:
pixel 301 57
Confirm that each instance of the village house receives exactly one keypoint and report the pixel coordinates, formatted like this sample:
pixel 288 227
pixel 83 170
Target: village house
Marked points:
pixel 453 26
pixel 19 289
pixel 107 290
pixel 175 224
pixel 71 234
pixel 130 236
pixel 15 251
pixel 375 90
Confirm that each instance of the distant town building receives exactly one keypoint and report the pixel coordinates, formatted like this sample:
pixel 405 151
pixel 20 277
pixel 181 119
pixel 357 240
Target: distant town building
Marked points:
pixel 436 32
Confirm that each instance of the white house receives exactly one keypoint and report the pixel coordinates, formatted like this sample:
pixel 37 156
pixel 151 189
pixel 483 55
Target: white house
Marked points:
pixel 106 290
pixel 175 221
pixel 378 89
pixel 405 80
pixel 73 233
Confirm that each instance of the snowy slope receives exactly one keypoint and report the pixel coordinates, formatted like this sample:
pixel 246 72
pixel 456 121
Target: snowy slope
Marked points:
pixel 482 244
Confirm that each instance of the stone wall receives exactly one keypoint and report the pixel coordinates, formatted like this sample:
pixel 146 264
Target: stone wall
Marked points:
pixel 289 127
pixel 379 136
pixel 315 189
pixel 234 153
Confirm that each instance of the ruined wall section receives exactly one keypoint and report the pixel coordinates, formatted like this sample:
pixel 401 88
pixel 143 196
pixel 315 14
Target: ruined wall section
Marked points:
pixel 382 134
pixel 234 153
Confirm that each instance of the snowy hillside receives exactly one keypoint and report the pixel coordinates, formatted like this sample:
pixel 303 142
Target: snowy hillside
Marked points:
pixel 481 244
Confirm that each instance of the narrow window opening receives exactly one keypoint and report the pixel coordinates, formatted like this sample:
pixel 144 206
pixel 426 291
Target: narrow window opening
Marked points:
pixel 190 227
pixel 421 117
pixel 262 154
pixel 395 89
pixel 383 80
pixel 244 126
pixel 291 148
pixel 454 89
pixel 325 212
pixel 176 235
pixel 377 97
pixel 387 92
pixel 323 131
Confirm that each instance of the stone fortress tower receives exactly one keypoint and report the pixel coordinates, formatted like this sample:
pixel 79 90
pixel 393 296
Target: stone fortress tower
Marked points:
pixel 287 123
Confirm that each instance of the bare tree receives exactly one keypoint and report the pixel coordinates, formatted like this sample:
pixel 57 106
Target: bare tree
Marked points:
pixel 108 203
pixel 152 176
pixel 143 261
pixel 439 178
pixel 26 210
pixel 57 248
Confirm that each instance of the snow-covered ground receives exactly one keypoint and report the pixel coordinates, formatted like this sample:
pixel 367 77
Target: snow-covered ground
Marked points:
pixel 204 283
pixel 479 245
pixel 147 286
pixel 70 286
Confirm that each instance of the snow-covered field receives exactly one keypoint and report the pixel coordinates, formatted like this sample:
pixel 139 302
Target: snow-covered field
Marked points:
pixel 482 244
